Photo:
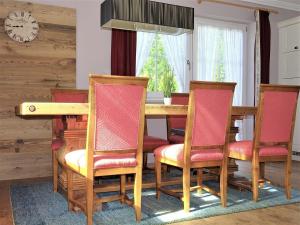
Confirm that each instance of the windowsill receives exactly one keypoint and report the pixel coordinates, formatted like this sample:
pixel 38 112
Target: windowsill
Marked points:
pixel 155 98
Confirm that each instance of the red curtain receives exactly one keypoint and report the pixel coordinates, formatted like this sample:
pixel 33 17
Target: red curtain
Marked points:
pixel 265 43
pixel 123 52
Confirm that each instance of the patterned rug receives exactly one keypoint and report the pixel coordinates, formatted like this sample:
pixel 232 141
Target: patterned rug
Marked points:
pixel 37 204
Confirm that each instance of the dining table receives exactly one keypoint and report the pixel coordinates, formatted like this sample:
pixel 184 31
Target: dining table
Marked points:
pixel 55 108
pixel 27 110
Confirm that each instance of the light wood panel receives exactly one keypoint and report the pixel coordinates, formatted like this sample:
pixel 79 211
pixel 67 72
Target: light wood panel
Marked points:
pixel 29 71
pixel 43 13
pixel 52 41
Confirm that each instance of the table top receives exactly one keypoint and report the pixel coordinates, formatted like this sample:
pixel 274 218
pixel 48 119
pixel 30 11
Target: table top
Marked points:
pixel 55 108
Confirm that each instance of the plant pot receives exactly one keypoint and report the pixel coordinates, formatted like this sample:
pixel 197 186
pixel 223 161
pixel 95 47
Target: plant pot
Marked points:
pixel 167 101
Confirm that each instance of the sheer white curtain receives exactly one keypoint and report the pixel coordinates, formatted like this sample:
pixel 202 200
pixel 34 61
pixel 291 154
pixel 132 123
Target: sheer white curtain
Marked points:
pixel 175 49
pixel 233 61
pixel 233 66
pixel 222 47
pixel 206 51
pixel 143 46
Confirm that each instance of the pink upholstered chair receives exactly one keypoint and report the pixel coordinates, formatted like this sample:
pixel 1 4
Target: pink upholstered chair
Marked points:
pixel 114 141
pixel 176 124
pixel 62 95
pixel 206 139
pixel 274 126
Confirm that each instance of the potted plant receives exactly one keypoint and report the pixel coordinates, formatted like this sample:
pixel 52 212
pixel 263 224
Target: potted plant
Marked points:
pixel 168 85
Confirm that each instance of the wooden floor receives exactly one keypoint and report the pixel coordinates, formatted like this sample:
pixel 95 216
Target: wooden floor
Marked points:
pixel 279 215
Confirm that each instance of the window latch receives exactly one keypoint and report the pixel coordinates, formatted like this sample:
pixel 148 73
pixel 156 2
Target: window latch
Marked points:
pixel 188 62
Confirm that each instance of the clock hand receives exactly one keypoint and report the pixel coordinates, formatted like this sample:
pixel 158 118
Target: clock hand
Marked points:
pixel 18 26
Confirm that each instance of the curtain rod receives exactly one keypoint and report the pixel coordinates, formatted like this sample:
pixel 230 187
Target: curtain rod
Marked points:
pixel 239 5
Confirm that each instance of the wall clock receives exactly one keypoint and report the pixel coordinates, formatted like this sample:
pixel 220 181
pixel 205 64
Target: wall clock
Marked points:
pixel 21 26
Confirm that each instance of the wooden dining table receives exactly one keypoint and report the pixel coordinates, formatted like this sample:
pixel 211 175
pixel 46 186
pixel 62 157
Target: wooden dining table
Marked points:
pixel 27 110
pixel 55 108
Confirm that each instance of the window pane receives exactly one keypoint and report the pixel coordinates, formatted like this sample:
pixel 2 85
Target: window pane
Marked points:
pixel 220 56
pixel 158 59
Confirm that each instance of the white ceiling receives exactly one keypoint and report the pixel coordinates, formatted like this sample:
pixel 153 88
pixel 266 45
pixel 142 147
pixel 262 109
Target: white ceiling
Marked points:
pixel 285 4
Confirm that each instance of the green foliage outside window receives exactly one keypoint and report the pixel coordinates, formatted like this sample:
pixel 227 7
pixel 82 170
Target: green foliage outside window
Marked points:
pixel 167 84
pixel 219 73
pixel 158 70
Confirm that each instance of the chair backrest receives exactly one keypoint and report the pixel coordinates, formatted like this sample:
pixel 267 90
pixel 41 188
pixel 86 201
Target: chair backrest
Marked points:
pixel 68 96
pixel 116 114
pixel 209 115
pixel 276 114
pixel 177 122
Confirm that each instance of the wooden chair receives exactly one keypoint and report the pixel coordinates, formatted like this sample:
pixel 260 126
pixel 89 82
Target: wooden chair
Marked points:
pixel 273 135
pixel 176 124
pixel 114 142
pixel 205 141
pixel 58 127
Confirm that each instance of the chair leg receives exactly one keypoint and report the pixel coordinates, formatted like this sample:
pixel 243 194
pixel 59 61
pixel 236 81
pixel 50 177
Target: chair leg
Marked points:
pixel 70 188
pixel 199 180
pixel 123 187
pixel 158 177
pixel 89 200
pixel 223 183
pixel 55 171
pixel 288 172
pixel 186 189
pixel 138 194
pixel 255 178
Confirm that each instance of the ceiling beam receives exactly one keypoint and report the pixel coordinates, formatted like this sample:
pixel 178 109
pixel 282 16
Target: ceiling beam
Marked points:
pixel 239 5
pixel 277 3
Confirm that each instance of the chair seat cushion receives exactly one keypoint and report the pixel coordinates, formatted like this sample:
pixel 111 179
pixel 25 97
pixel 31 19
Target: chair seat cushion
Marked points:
pixel 77 158
pixel 244 148
pixel 57 144
pixel 150 142
pixel 176 139
pixel 175 153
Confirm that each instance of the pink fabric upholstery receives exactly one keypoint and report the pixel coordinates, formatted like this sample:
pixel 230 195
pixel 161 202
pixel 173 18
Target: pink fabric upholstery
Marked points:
pixel 178 121
pixel 117 116
pixel 277 116
pixel 77 158
pixel 68 97
pixel 151 142
pixel 211 116
pixel 176 139
pixel 245 148
pixel 175 153
pixel 56 144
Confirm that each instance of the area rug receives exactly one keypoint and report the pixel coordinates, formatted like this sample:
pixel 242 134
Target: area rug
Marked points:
pixel 37 204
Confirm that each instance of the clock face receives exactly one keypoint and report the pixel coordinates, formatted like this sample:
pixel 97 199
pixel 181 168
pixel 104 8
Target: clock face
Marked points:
pixel 21 26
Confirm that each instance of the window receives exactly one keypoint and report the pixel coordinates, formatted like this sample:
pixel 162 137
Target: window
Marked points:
pixel 219 54
pixel 218 49
pixel 163 59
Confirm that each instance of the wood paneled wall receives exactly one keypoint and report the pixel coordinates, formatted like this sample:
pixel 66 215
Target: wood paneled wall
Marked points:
pixel 27 73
